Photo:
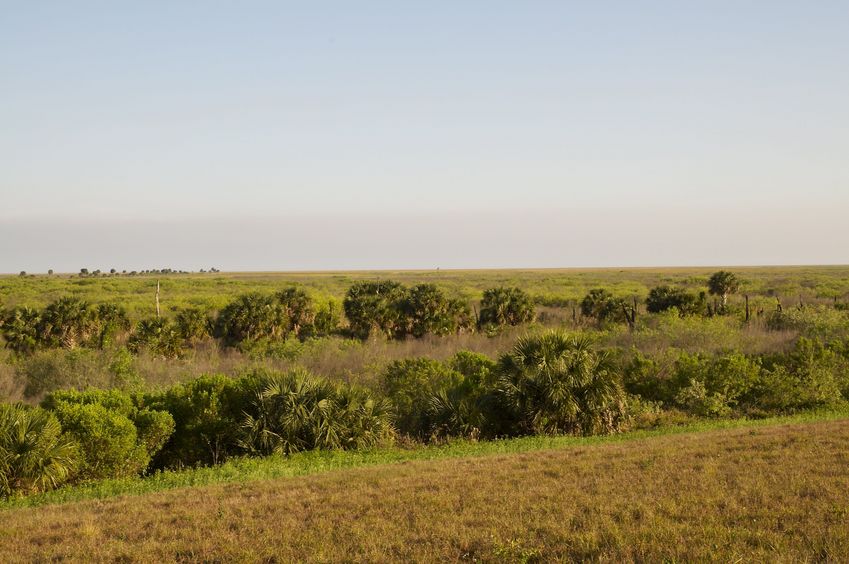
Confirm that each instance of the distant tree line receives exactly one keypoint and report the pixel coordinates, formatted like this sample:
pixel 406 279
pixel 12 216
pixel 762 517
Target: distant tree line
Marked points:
pixel 383 308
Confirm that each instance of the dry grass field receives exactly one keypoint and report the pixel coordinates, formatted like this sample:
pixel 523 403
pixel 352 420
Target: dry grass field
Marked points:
pixel 776 493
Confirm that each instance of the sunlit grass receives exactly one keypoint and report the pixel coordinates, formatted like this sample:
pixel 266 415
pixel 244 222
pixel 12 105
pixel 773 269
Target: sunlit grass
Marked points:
pixel 313 462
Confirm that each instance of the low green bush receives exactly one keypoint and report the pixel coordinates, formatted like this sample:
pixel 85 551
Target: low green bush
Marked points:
pixel 116 437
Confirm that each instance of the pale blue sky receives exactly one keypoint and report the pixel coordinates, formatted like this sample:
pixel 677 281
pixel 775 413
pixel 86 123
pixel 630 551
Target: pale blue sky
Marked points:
pixel 607 131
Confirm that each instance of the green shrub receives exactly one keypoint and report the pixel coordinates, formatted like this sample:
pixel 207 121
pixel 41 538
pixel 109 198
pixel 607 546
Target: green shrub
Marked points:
pixel 506 306
pixel 730 378
pixel 651 378
pixel 34 454
pixel 410 384
pixel 375 306
pixel 117 438
pixel 556 383
pixel 297 411
pixel 159 336
pixel 300 311
pixel 601 305
pixel 250 317
pixel 696 399
pixel 192 324
pixel 207 413
pixel 810 376
pixel 20 330
pixel 663 298
pixel 427 310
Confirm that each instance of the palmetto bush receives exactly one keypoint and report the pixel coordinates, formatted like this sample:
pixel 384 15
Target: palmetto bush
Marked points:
pixel 297 411
pixel 20 330
pixel 557 383
pixel 34 454
pixel 160 337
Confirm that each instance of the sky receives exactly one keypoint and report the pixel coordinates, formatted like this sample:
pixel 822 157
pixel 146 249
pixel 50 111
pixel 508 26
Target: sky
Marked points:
pixel 367 135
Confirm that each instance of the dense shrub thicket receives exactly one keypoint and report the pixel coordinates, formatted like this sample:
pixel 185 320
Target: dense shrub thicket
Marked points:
pixel 550 383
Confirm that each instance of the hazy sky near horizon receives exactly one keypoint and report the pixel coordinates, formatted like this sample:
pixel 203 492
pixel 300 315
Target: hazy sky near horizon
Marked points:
pixel 283 135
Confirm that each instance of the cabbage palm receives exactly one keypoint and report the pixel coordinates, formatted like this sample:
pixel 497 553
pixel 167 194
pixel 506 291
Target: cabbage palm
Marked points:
pixel 34 455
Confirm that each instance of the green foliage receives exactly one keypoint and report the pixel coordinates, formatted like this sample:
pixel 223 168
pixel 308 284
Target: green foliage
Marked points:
pixel 375 306
pixel 20 330
pixel 506 306
pixel 723 283
pixel 192 324
pixel 601 305
pixel 696 399
pixel 251 317
pixel 728 379
pixel 68 323
pixel 410 384
pixel 112 321
pixel 34 454
pixel 159 336
pixel 812 375
pixel 116 437
pixel 299 310
pixel 328 316
pixel 427 310
pixel 297 411
pixel 207 413
pixel 663 298
pixel 556 383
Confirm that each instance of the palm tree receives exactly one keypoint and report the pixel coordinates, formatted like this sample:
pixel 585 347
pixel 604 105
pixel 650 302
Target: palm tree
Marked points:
pixel 34 455
pixel 557 383
pixel 299 309
pixel 723 283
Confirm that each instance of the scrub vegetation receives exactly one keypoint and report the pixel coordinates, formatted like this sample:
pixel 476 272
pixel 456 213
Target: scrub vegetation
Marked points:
pixel 281 375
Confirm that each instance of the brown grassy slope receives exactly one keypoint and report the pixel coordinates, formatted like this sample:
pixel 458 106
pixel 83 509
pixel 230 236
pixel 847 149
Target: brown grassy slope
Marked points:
pixel 770 494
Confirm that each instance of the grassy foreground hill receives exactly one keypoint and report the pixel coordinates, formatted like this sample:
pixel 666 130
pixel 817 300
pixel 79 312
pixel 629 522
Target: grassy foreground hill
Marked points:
pixel 758 493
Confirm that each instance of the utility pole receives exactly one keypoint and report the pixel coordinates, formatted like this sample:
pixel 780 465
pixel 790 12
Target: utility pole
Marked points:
pixel 157 299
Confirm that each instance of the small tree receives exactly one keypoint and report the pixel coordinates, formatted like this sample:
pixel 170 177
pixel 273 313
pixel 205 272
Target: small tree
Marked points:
pixel 723 284
pixel 665 297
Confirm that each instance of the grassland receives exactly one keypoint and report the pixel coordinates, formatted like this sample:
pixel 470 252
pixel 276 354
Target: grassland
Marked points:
pixel 772 492
pixel 548 286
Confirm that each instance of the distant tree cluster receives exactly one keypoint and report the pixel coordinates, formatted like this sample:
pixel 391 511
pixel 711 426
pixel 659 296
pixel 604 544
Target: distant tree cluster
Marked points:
pixel 395 311
pixel 601 305
pixel 67 323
